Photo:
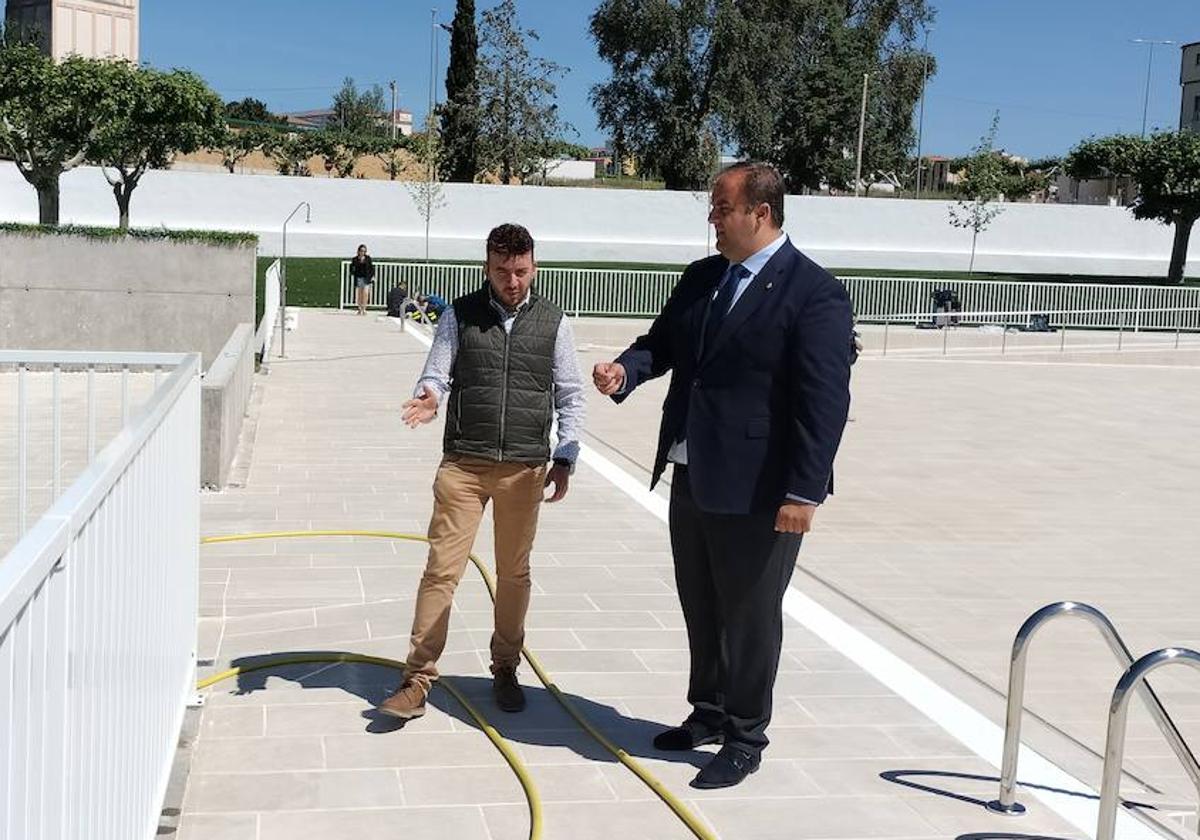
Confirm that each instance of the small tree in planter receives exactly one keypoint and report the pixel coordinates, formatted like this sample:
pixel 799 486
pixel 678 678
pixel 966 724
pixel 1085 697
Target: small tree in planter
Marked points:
pixel 980 189
pixel 427 193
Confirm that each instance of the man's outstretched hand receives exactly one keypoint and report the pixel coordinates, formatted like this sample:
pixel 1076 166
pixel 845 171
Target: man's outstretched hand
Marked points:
pixel 420 410
pixel 608 377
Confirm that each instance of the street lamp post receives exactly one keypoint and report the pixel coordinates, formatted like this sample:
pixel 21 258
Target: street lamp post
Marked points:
pixel 921 118
pixel 283 275
pixel 1149 67
pixel 862 125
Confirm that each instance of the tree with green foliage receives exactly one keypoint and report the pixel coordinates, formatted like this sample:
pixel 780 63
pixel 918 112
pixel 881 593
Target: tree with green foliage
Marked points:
pixel 251 110
pixel 359 112
pixel 980 188
pixel 519 120
pixel 460 112
pixel 148 117
pixel 659 104
pixel 779 79
pixel 341 150
pixel 1166 168
pixel 291 152
pixel 47 116
pixel 386 151
pixel 238 144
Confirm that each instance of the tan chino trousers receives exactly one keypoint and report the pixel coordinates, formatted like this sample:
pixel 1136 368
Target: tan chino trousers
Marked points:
pixel 461 491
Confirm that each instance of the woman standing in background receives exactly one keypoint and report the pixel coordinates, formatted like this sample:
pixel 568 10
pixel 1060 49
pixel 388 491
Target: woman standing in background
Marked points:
pixel 363 272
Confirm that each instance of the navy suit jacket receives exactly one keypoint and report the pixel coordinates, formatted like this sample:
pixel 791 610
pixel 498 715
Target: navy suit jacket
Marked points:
pixel 766 404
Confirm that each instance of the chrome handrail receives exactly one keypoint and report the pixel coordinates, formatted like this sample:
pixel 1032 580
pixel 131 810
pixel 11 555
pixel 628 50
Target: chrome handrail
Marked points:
pixel 1007 804
pixel 1118 713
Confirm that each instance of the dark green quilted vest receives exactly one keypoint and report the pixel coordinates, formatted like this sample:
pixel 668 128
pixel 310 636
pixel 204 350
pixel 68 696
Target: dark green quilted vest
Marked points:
pixel 502 384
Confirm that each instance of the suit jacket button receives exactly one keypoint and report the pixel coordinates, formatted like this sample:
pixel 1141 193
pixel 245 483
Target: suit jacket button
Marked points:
pixel 696 384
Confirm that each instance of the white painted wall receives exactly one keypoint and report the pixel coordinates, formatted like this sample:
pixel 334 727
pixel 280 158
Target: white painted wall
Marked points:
pixel 578 224
pixel 572 170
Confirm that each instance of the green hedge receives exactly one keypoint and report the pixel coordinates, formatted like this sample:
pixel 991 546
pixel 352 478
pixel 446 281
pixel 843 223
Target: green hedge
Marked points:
pixel 210 237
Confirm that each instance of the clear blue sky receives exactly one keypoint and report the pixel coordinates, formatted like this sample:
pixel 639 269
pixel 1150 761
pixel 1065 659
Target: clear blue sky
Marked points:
pixel 1058 70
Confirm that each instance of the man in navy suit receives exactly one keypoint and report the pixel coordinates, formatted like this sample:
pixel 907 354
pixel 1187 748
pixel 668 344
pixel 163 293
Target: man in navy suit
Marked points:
pixel 757 341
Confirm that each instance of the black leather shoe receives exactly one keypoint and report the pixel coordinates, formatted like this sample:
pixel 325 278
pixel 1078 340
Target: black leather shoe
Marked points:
pixel 507 691
pixel 728 768
pixel 686 737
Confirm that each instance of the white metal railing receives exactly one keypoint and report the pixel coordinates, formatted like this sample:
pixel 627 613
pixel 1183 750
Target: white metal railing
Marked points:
pixel 614 291
pixel 579 291
pixel 1178 320
pixel 98 606
pixel 270 318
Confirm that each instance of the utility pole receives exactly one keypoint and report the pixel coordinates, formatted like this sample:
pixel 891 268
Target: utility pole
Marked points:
pixel 1149 67
pixel 862 125
pixel 921 119
pixel 392 85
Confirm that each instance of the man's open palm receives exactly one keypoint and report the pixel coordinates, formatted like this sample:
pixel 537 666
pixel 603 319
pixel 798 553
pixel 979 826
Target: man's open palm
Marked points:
pixel 420 410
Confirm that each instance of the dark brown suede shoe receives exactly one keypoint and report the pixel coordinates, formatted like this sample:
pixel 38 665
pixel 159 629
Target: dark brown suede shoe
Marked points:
pixel 507 691
pixel 408 702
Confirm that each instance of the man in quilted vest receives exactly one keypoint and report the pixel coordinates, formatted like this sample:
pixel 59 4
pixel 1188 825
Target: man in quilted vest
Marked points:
pixel 502 365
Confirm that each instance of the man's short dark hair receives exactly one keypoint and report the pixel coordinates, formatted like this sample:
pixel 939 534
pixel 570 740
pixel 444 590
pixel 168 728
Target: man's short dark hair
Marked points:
pixel 761 184
pixel 509 240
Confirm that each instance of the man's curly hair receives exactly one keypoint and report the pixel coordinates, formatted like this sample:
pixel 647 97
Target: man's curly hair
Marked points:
pixel 509 240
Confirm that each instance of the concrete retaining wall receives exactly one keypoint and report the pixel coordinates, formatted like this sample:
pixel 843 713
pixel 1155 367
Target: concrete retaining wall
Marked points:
pixel 80 293
pixel 592 225
pixel 224 397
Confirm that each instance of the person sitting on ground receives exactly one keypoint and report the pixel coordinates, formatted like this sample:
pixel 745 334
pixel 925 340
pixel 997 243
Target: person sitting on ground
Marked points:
pixel 395 302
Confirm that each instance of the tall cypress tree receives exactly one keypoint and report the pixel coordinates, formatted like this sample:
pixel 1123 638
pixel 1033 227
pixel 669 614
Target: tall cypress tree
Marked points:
pixel 460 113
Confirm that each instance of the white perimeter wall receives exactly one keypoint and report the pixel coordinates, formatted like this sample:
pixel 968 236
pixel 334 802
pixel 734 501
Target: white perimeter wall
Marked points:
pixel 579 224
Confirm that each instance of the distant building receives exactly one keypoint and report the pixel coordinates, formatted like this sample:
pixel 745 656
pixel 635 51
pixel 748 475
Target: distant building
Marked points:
pixel 90 28
pixel 1189 80
pixel 325 116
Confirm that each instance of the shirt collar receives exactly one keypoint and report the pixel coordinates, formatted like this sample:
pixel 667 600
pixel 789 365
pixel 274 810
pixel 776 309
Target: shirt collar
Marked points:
pixel 499 307
pixel 757 261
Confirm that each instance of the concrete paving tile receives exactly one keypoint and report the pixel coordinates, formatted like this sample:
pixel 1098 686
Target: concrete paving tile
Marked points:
pixel 305 638
pixel 590 821
pixel 861 710
pixel 633 639
pixel 218 827
pixel 324 789
pixel 817 817
pixel 248 755
pixel 411 747
pixel 379 824
pixel 232 722
pixel 611 662
pixel 498 785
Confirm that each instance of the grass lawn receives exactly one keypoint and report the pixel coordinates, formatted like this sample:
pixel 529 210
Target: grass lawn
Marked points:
pixel 314 281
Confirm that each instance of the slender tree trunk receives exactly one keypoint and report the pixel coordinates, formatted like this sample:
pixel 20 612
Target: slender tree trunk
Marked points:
pixel 974 239
pixel 123 192
pixel 1183 235
pixel 48 199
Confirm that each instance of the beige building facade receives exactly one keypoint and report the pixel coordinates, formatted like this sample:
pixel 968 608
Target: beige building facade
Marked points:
pixel 1189 80
pixel 90 28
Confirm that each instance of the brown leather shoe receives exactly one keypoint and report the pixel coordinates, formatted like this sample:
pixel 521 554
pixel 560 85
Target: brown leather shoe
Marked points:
pixel 408 702
pixel 507 691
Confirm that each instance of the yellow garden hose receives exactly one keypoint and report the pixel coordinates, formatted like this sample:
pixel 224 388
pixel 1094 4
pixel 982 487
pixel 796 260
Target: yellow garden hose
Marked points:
pixel 693 822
